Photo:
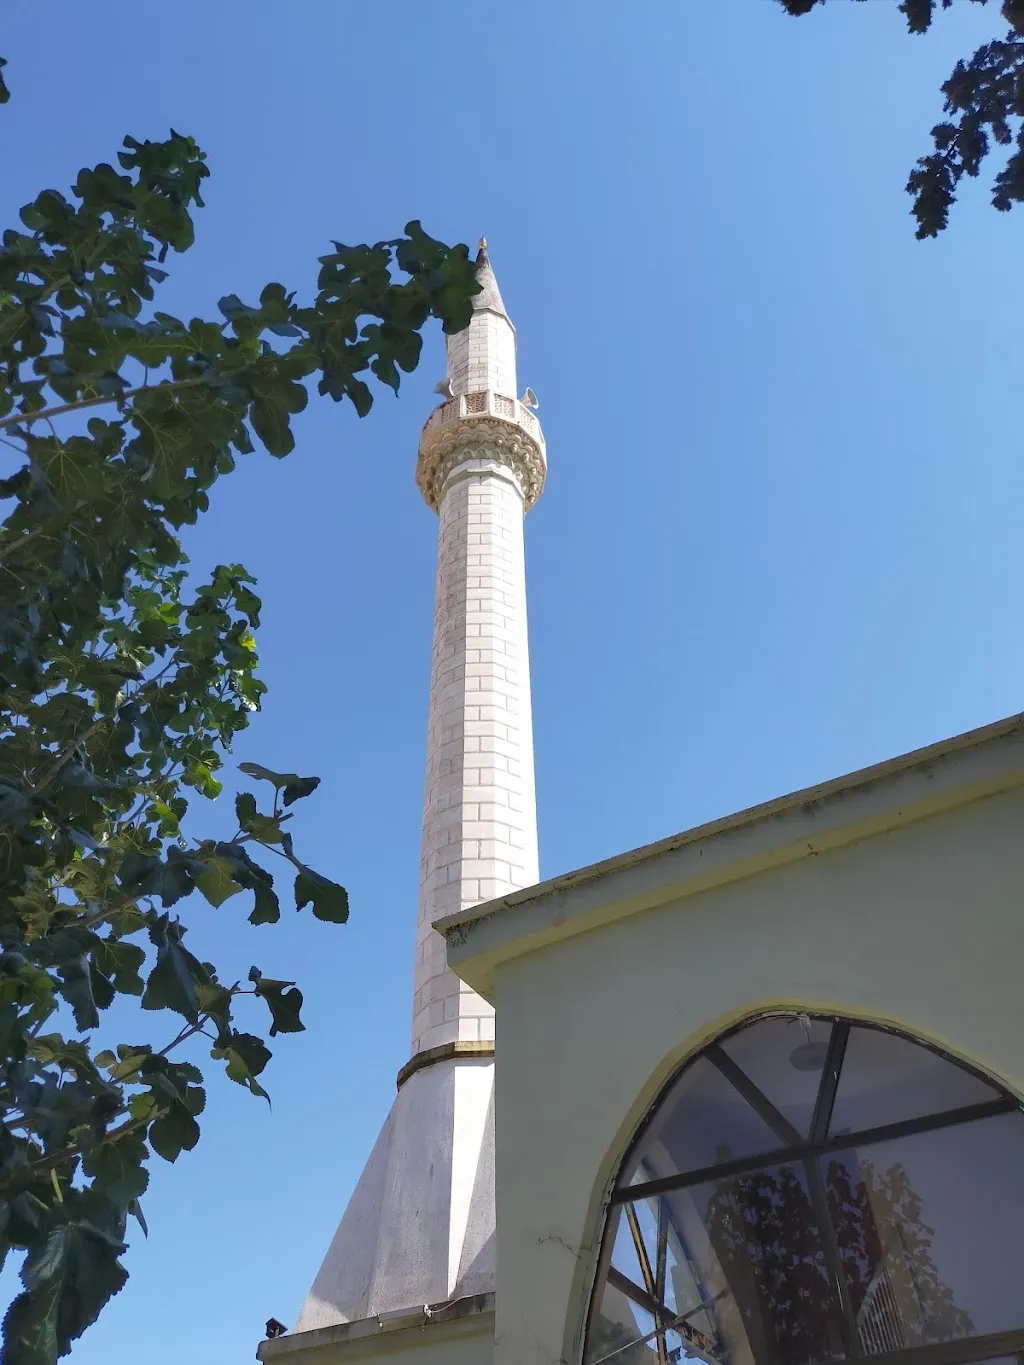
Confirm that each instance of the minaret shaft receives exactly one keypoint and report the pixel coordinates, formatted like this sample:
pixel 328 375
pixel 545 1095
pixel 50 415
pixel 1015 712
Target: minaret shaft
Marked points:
pixel 480 817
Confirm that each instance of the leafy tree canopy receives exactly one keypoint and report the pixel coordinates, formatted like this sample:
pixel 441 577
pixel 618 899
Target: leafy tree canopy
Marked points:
pixel 984 104
pixel 124 678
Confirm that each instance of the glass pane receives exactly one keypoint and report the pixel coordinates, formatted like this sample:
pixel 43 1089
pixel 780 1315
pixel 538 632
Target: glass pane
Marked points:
pixel 886 1079
pixel 750 1249
pixel 625 1255
pixel 619 1327
pixel 924 1229
pixel 668 1271
pixel 784 1058
pixel 686 1271
pixel 930 1230
pixel 636 1246
pixel 703 1122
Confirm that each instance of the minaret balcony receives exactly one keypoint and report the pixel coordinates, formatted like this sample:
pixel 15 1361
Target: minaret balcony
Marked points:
pixel 486 404
pixel 484 426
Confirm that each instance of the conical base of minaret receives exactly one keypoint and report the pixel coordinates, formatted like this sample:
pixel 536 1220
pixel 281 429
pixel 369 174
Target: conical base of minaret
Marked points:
pixel 419 1228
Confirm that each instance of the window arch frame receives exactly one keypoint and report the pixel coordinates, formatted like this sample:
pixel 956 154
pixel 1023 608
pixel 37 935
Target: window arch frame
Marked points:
pixel 806 1152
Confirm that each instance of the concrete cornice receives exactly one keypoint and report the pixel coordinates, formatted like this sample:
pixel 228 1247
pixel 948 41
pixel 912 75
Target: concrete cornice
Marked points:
pixel 501 430
pixel 372 1337
pixel 463 1051
pixel 801 825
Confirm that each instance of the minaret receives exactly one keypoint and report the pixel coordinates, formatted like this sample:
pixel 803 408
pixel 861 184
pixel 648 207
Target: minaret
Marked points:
pixel 419 1228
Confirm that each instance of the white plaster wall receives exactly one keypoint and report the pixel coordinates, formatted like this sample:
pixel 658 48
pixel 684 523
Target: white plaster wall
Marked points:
pixel 480 814
pixel 922 927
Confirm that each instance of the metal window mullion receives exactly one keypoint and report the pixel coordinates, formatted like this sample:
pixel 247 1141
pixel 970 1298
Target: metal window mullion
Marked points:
pixel 782 1156
pixel 754 1096
pixel 641 1249
pixel 660 1272
pixel 632 1290
pixel 601 1272
pixel 826 1100
pixel 833 1255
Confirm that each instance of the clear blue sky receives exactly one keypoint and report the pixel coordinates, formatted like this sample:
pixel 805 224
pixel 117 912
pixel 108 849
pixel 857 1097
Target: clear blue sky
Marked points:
pixel 781 534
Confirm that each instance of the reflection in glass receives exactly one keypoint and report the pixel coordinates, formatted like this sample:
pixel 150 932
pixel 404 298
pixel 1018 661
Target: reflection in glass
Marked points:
pixel 828 1250
pixel 766 1240
pixel 930 1227
pixel 620 1331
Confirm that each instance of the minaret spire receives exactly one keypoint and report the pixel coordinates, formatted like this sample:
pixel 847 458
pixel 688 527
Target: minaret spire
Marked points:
pixel 419 1228
pixel 489 299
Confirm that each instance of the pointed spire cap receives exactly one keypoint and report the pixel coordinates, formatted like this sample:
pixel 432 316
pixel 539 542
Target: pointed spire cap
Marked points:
pixel 489 299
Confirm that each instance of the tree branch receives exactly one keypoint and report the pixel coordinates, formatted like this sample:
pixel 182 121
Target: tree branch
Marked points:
pixel 56 1159
pixel 11 546
pixel 45 414
pixel 98 724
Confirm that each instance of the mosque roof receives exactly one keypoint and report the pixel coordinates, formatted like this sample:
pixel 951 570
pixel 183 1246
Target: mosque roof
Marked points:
pixel 802 824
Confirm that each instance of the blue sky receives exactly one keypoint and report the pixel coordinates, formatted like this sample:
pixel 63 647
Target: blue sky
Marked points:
pixel 781 534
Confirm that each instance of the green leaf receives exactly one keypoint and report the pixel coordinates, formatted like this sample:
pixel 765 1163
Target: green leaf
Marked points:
pixel 284 1000
pixel 195 1099
pixel 362 398
pixel 76 988
pixel 215 1001
pixel 245 808
pixel 268 775
pixel 130 1063
pixel 146 875
pixel 135 1209
pixel 217 884
pixel 168 819
pixel 173 981
pixel 120 962
pixel 295 791
pixel 329 900
pixel 30 1327
pixel 267 907
pixel 266 829
pixel 5 94
pixel 48 1262
pixel 272 410
pixel 68 1277
pixel 117 1168
pixel 173 1133
pixel 200 776
pixel 143 1105
pixel 246 1057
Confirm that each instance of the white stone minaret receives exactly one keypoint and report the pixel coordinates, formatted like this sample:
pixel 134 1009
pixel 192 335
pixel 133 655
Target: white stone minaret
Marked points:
pixel 419 1228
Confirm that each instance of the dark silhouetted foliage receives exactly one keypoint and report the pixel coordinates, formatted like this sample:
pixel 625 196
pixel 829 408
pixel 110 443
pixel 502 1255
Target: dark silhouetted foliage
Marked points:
pixel 984 102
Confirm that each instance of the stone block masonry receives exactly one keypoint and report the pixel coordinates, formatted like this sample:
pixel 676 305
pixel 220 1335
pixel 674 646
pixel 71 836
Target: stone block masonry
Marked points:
pixel 480 815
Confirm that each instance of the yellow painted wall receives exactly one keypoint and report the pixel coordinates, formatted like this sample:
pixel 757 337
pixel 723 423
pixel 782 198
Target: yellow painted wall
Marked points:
pixel 922 927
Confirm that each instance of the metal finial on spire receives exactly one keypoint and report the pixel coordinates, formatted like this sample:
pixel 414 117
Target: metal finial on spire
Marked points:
pixel 483 244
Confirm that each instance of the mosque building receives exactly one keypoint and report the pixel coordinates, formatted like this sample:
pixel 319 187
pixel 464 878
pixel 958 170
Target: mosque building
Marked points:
pixel 758 1098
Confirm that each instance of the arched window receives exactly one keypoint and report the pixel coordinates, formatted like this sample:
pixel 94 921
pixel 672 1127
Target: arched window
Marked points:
pixel 813 1189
